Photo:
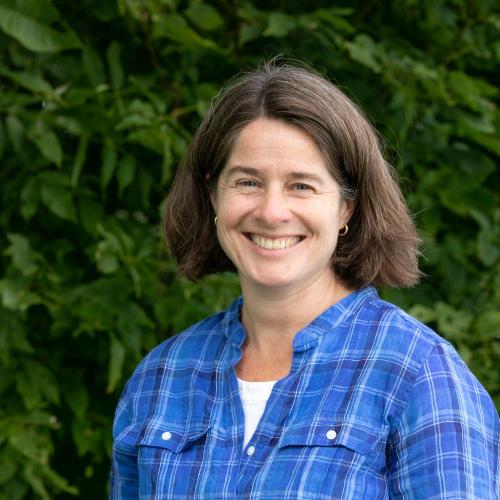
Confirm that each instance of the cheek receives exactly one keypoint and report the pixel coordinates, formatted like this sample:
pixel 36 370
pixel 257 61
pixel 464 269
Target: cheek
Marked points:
pixel 227 232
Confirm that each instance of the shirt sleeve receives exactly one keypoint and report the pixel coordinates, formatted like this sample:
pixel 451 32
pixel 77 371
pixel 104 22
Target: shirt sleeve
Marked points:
pixel 445 444
pixel 124 481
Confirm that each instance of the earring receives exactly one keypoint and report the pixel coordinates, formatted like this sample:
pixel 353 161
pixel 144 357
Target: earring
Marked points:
pixel 215 220
pixel 344 230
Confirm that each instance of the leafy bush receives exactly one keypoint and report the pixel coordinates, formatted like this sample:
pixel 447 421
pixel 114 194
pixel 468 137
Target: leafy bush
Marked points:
pixel 98 101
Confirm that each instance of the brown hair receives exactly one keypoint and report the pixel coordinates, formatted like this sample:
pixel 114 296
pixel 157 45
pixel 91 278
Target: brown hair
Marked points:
pixel 380 247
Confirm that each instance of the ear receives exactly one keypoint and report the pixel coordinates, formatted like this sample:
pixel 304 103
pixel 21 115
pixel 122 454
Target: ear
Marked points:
pixel 213 198
pixel 346 210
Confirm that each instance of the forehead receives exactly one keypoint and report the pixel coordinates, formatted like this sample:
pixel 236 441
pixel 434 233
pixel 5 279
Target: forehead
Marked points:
pixel 269 143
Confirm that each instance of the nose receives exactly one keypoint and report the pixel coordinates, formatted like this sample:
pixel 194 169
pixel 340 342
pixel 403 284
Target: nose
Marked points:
pixel 273 207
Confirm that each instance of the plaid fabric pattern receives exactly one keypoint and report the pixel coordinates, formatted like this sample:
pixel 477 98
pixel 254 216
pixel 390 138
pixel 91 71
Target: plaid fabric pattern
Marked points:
pixel 376 406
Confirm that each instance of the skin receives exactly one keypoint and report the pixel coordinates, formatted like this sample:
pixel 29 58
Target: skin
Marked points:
pixel 276 187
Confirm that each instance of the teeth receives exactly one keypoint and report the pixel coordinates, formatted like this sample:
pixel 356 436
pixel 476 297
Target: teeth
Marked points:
pixel 274 244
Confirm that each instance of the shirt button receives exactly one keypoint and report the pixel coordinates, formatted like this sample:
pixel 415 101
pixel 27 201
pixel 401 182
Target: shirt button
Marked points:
pixel 250 450
pixel 166 436
pixel 331 434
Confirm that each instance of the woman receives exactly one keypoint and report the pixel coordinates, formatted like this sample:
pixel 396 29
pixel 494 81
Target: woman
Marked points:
pixel 309 386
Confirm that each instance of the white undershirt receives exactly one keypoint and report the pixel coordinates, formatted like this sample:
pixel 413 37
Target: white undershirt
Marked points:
pixel 254 396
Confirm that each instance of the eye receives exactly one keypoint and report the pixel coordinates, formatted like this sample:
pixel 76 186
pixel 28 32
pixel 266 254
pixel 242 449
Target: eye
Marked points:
pixel 246 183
pixel 301 187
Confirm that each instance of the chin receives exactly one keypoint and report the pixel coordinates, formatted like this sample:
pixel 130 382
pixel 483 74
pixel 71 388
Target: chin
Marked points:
pixel 272 282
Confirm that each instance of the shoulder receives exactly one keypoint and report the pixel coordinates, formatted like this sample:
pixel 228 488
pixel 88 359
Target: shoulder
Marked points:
pixel 411 365
pixel 436 383
pixel 423 348
pixel 192 346
pixel 168 371
pixel 389 329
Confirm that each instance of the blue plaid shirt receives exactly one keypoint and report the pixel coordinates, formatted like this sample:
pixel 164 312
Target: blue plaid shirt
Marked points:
pixel 376 406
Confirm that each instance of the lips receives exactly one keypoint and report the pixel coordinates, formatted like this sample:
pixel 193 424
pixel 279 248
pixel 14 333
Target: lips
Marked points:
pixel 274 243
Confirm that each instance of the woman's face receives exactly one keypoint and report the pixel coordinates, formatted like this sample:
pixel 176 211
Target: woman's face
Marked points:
pixel 279 209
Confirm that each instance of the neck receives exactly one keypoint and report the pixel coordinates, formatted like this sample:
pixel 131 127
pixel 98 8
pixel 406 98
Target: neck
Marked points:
pixel 272 317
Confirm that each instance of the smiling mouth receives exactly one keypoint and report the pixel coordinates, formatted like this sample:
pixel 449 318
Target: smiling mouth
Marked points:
pixel 274 243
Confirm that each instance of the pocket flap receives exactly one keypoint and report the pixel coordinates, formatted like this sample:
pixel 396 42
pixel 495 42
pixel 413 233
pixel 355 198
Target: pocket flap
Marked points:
pixel 354 437
pixel 174 436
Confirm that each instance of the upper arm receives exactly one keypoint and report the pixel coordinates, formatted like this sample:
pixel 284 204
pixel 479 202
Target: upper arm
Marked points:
pixel 124 481
pixel 445 444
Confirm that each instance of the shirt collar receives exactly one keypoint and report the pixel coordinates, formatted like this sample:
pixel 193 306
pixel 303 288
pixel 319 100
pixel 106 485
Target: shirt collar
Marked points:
pixel 310 334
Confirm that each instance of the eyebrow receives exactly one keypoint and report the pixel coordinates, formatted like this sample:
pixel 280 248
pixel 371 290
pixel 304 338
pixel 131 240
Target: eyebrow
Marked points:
pixel 297 175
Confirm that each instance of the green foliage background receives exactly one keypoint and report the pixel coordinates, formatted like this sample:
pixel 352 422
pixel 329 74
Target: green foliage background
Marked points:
pixel 98 101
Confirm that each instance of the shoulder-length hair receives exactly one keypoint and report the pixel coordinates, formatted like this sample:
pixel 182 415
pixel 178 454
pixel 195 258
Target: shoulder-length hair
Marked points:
pixel 381 246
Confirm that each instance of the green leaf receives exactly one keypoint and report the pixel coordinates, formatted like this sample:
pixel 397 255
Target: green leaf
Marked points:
pixel 91 214
pixel 423 313
pixel 69 124
pixel 59 201
pixel 12 338
pixel 16 295
pixel 47 142
pixel 23 257
pixel 81 155
pixel 15 132
pixel 106 256
pixel 204 16
pixel 116 360
pixel 37 385
pixel 77 397
pixel 482 219
pixel 54 479
pixel 470 124
pixel 29 81
pixel 139 114
pixel 29 445
pixel 248 33
pixel 43 11
pixel 364 50
pixel 462 85
pixel 30 197
pixel 249 13
pixel 487 250
pixel 488 325
pixel 335 17
pixel 115 65
pixel 33 35
pixel 166 165
pixel 279 25
pixel 462 198
pixel 108 164
pixel 490 142
pixel 93 66
pixel 145 184
pixel 175 28
pixel 7 469
pixel 84 437
pixel 474 163
pixel 452 323
pixel 150 138
pixel 125 172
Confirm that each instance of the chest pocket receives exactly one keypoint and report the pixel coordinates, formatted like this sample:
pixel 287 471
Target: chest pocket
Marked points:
pixel 173 436
pixel 169 454
pixel 318 459
pixel 333 434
